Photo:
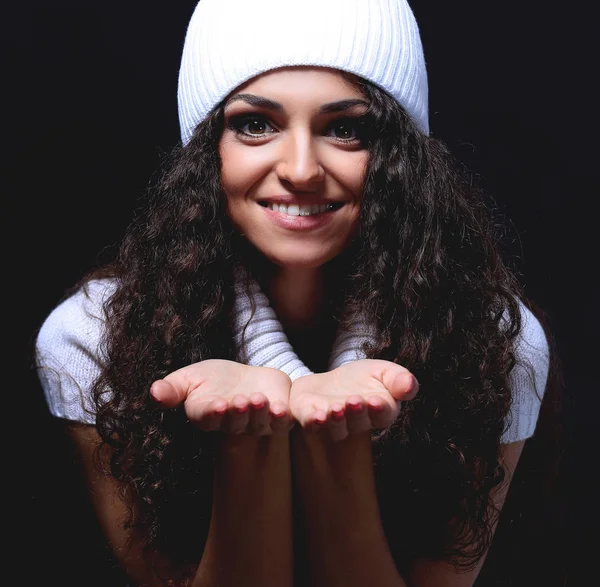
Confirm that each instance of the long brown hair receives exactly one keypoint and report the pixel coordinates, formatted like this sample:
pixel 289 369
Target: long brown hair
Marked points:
pixel 425 266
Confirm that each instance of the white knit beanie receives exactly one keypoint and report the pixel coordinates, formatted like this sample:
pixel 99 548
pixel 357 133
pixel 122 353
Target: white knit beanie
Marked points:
pixel 229 42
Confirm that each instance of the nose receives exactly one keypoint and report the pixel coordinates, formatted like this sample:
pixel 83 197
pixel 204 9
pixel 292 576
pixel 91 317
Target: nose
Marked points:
pixel 299 163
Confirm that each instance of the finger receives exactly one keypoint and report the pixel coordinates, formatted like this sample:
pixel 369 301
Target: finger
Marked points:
pixel 259 417
pixel 280 417
pixel 336 425
pixel 238 415
pixel 400 383
pixel 177 386
pixel 357 415
pixel 313 420
pixel 199 409
pixel 381 413
pixel 336 412
pixel 213 415
pixel 167 394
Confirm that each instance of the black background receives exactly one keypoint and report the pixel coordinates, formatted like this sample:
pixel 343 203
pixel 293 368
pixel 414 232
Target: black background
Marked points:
pixel 90 104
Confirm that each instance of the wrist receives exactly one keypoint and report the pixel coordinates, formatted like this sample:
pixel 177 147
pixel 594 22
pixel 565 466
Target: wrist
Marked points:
pixel 342 462
pixel 243 454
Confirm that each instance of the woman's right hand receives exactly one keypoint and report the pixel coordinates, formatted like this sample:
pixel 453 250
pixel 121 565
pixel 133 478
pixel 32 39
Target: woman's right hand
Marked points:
pixel 230 397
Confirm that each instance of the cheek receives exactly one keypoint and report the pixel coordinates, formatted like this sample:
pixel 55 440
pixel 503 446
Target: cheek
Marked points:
pixel 358 179
pixel 347 169
pixel 240 169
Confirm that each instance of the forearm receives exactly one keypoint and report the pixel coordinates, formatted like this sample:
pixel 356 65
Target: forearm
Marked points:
pixel 345 541
pixel 250 538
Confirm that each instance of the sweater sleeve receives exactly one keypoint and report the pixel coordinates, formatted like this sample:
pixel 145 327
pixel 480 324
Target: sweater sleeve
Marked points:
pixel 528 378
pixel 69 352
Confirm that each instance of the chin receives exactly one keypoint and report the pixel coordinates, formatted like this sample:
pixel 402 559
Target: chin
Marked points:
pixel 295 261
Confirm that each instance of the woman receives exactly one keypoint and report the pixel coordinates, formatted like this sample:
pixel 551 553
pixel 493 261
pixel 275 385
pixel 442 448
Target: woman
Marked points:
pixel 308 363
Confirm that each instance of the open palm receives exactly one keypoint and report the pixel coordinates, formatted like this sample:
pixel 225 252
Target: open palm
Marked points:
pixel 231 397
pixel 353 398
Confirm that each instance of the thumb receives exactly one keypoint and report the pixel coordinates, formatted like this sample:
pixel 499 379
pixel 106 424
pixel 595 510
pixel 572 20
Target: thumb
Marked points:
pixel 400 382
pixel 169 393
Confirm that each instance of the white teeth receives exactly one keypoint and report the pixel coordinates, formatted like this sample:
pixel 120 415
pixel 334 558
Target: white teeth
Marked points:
pixel 303 210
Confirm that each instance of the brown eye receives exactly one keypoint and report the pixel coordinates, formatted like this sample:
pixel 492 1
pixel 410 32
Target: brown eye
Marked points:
pixel 255 127
pixel 345 131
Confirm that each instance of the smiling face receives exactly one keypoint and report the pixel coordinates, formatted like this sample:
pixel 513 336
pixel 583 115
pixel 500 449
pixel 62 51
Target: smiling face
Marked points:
pixel 293 163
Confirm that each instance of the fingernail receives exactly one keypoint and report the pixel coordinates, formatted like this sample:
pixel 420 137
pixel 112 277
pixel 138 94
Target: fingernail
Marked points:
pixel 413 385
pixel 376 407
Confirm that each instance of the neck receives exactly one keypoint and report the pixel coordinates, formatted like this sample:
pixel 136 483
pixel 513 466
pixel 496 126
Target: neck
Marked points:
pixel 297 296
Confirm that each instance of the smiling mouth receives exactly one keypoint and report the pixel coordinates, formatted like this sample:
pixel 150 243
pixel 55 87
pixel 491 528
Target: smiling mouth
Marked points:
pixel 302 210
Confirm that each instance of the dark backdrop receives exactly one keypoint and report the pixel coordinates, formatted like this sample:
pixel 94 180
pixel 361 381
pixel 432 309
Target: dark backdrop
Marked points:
pixel 90 105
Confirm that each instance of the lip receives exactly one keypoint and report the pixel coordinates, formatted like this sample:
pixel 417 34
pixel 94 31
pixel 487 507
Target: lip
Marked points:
pixel 295 200
pixel 300 222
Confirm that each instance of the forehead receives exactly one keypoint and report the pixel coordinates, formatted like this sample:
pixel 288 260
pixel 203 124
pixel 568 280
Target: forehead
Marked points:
pixel 291 84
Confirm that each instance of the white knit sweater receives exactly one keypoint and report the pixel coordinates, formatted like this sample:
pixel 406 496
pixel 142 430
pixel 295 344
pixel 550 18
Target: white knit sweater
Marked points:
pixel 69 350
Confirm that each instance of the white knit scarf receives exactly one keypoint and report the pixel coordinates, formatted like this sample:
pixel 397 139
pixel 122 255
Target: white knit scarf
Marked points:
pixel 265 343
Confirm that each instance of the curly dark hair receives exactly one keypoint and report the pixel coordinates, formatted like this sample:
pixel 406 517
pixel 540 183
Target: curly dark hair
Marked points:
pixel 425 266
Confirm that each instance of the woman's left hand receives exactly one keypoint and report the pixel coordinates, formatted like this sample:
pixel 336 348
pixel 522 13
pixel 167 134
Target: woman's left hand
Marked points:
pixel 353 398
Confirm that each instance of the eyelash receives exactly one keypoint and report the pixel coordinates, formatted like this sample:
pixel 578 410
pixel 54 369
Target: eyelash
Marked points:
pixel 237 123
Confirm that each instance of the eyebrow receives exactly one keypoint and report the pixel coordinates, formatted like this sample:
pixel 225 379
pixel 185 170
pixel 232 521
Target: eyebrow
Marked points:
pixel 328 108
